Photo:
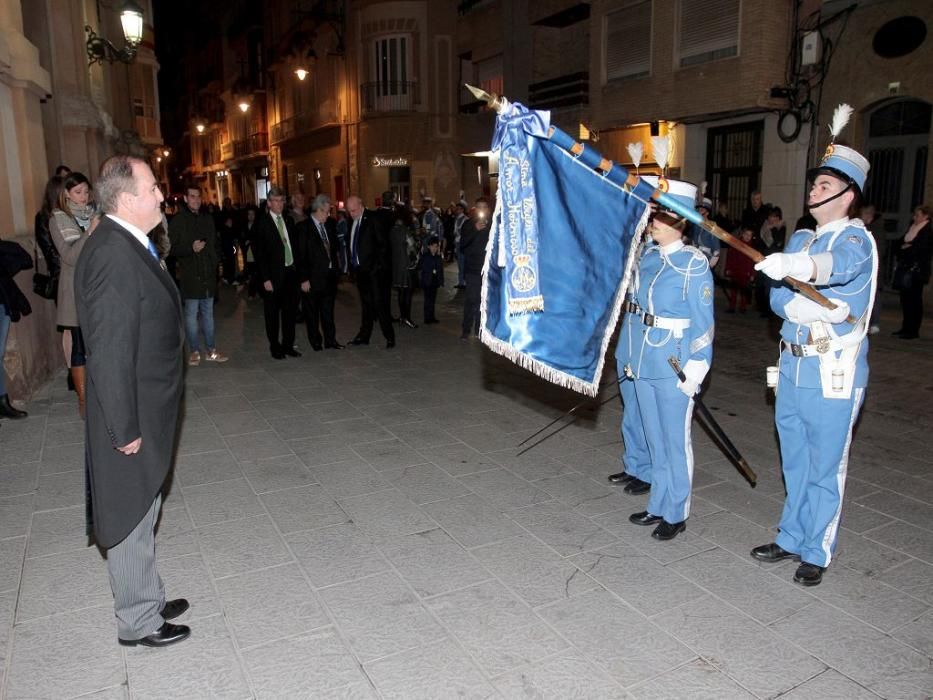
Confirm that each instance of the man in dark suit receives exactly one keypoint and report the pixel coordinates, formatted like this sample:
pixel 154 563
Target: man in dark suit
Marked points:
pixel 317 270
pixel 130 314
pixel 474 236
pixel 369 258
pixel 275 244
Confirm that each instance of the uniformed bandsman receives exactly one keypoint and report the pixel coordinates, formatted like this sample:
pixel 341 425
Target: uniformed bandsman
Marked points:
pixel 824 358
pixel 674 318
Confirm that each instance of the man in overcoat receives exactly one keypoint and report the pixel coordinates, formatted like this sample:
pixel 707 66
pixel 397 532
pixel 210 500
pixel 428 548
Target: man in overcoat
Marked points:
pixel 130 313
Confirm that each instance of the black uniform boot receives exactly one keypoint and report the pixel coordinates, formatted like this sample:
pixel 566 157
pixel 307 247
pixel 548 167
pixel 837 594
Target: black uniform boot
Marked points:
pixel 7 410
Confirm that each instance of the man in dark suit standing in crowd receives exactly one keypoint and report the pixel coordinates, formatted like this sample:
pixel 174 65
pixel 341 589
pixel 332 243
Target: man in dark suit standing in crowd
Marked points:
pixel 275 244
pixel 317 268
pixel 369 259
pixel 130 314
pixel 474 235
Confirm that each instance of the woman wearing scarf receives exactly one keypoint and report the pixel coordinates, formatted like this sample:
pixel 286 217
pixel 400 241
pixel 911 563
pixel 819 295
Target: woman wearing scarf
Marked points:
pixel 69 226
pixel 913 271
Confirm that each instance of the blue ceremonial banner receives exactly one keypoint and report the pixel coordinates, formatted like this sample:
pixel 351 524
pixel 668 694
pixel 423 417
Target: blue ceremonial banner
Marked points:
pixel 557 264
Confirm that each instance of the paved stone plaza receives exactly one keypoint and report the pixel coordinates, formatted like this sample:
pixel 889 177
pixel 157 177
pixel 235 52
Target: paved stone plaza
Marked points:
pixel 358 524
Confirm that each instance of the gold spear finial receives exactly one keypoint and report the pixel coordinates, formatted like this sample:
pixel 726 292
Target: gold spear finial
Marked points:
pixel 493 101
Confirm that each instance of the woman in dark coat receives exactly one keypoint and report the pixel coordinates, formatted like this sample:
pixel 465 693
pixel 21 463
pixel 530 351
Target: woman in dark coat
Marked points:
pixel 405 252
pixel 44 242
pixel 13 306
pixel 913 271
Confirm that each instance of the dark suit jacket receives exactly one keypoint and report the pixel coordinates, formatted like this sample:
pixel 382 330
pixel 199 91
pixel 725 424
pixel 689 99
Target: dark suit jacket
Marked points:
pixel 373 246
pixel 314 258
pixel 130 315
pixel 268 249
pixel 473 243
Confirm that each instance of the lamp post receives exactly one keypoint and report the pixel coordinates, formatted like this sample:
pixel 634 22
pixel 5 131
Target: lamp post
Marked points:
pixel 100 49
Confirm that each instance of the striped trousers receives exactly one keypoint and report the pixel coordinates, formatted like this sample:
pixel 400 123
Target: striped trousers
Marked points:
pixel 138 593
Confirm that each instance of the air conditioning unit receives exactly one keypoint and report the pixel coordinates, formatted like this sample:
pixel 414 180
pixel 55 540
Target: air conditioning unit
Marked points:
pixel 811 49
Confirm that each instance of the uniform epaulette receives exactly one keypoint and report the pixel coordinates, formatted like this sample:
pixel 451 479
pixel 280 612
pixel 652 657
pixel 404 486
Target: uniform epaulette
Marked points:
pixel 696 253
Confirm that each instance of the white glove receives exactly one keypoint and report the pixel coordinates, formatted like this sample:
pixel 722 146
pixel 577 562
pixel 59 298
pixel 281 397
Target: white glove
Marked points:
pixel 695 372
pixel 777 266
pixel 802 310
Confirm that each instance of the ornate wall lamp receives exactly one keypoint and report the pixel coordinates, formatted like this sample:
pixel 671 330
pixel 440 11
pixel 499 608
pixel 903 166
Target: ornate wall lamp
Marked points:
pixel 100 50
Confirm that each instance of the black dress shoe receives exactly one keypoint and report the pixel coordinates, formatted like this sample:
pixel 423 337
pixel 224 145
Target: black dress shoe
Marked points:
pixel 278 355
pixel 772 552
pixel 897 332
pixel 162 637
pixel 644 518
pixel 620 478
pixel 174 608
pixel 317 348
pixel 668 531
pixel 809 574
pixel 8 410
pixel 359 341
pixel 291 352
pixel 909 336
pixel 334 346
pixel 390 344
pixel 636 486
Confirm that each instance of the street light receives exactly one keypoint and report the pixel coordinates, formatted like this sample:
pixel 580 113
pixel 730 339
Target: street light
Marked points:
pixel 199 127
pixel 301 73
pixel 99 49
pixel 244 106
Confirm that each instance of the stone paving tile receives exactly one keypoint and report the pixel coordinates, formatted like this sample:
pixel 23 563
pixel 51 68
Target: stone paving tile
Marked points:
pixel 205 665
pixel 336 554
pixel 175 535
pixel 48 663
pixel 562 529
pixel 426 483
pixel 389 454
pixel 188 577
pixel 504 490
pixel 238 546
pixel 323 450
pixel 439 670
pixel 905 538
pixel 312 665
pixel 871 555
pixel 55 531
pixel 431 562
pixel 458 459
pixel 60 490
pixel 499 630
pixel 871 658
pixel 62 582
pixel 277 473
pixel 206 468
pixel 615 637
pixel 302 508
pixel 639 537
pixel 567 675
pixel 471 521
pixel 62 458
pixel 380 616
pixel 386 513
pixel 15 515
pixel 222 501
pixel 262 445
pixel 696 680
pixel 262 606
pixel 913 577
pixel 18 478
pixel 830 685
pixel 348 479
pixel 533 571
pixel 240 423
pixel 750 654
pixel 7 605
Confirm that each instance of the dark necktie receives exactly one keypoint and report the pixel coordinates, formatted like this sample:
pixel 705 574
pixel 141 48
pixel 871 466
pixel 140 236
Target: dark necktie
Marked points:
pixel 324 240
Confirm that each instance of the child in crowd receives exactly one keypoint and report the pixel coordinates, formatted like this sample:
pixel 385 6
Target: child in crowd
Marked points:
pixel 740 272
pixel 432 277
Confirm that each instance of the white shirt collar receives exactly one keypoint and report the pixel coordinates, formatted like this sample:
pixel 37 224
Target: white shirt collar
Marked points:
pixel 672 247
pixel 138 233
pixel 833 226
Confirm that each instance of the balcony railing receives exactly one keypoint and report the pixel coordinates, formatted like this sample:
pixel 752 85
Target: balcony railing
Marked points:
pixel 392 96
pixel 300 124
pixel 254 143
pixel 563 91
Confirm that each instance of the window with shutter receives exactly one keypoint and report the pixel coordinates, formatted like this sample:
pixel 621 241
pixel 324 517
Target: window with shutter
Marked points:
pixel 627 41
pixel 708 30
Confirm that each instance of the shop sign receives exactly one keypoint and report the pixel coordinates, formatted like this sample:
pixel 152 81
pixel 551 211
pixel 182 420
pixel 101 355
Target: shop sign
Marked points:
pixel 390 161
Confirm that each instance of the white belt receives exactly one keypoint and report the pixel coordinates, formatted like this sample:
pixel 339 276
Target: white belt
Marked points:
pixel 823 346
pixel 668 324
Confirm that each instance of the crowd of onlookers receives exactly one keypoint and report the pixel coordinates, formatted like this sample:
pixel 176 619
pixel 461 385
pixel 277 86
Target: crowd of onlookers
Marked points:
pixel 293 253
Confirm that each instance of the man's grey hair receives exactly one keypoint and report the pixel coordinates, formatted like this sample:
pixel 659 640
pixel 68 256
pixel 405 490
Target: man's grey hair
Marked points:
pixel 321 203
pixel 115 178
pixel 275 191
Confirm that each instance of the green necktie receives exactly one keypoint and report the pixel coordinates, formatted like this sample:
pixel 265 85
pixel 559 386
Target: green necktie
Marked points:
pixel 289 258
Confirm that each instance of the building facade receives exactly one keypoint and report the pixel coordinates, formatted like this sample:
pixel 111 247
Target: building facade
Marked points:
pixel 55 109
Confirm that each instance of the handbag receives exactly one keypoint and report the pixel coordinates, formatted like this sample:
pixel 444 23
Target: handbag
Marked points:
pixel 903 277
pixel 44 285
